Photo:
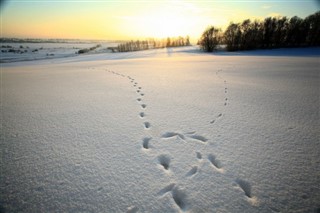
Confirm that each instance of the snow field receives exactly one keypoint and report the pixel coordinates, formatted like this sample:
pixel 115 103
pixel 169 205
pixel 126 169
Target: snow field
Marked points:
pixel 151 132
pixel 173 141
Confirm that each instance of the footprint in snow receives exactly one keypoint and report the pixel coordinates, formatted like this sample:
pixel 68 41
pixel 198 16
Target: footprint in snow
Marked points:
pixel 145 143
pixel 215 163
pixel 147 125
pixel 172 134
pixel 185 136
pixel 192 171
pixel 164 161
pixel 198 138
pixel 245 187
pixel 141 114
pixel 214 120
pixel 166 189
pixel 178 195
pixel 199 156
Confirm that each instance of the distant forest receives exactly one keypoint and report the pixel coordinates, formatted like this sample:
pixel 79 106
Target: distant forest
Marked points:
pixel 153 44
pixel 272 32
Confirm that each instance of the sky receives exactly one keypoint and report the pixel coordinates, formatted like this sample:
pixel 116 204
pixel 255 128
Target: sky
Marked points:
pixel 136 19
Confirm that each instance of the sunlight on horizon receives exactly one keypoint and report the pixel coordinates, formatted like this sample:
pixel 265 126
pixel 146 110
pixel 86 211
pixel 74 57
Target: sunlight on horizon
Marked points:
pixel 133 20
pixel 169 21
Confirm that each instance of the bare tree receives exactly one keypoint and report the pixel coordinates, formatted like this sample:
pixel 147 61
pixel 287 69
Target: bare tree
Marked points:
pixel 209 39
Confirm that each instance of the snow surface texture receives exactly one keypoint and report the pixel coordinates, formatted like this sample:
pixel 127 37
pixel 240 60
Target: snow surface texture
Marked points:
pixel 161 131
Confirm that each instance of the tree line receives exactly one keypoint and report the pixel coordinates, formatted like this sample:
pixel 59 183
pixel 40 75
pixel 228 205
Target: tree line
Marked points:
pixel 272 32
pixel 153 44
pixel 89 49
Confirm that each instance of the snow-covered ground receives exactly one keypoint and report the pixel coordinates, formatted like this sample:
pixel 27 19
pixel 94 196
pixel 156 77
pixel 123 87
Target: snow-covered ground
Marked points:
pixel 14 51
pixel 162 131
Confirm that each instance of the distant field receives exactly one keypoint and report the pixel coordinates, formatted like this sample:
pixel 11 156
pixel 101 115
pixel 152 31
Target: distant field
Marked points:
pixel 24 51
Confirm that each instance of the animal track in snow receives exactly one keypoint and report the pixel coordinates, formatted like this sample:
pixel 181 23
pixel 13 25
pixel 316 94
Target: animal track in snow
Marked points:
pixel 192 171
pixel 166 189
pixel 164 161
pixel 178 195
pixel 192 136
pixel 172 134
pixel 245 186
pixel 179 198
pixel 145 143
pixel 225 92
pixel 216 163
pixel 147 125
pixel 141 114
pixel 199 138
pixel 199 156
pixel 218 116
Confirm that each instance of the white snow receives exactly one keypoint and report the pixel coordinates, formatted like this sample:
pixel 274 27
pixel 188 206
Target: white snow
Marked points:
pixel 35 51
pixel 162 131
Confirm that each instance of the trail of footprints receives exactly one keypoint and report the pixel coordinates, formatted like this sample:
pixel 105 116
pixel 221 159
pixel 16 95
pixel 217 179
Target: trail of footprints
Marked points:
pixel 142 115
pixel 225 96
pixel 164 160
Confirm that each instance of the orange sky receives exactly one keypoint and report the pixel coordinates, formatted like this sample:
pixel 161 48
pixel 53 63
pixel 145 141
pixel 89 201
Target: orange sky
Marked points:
pixel 102 19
